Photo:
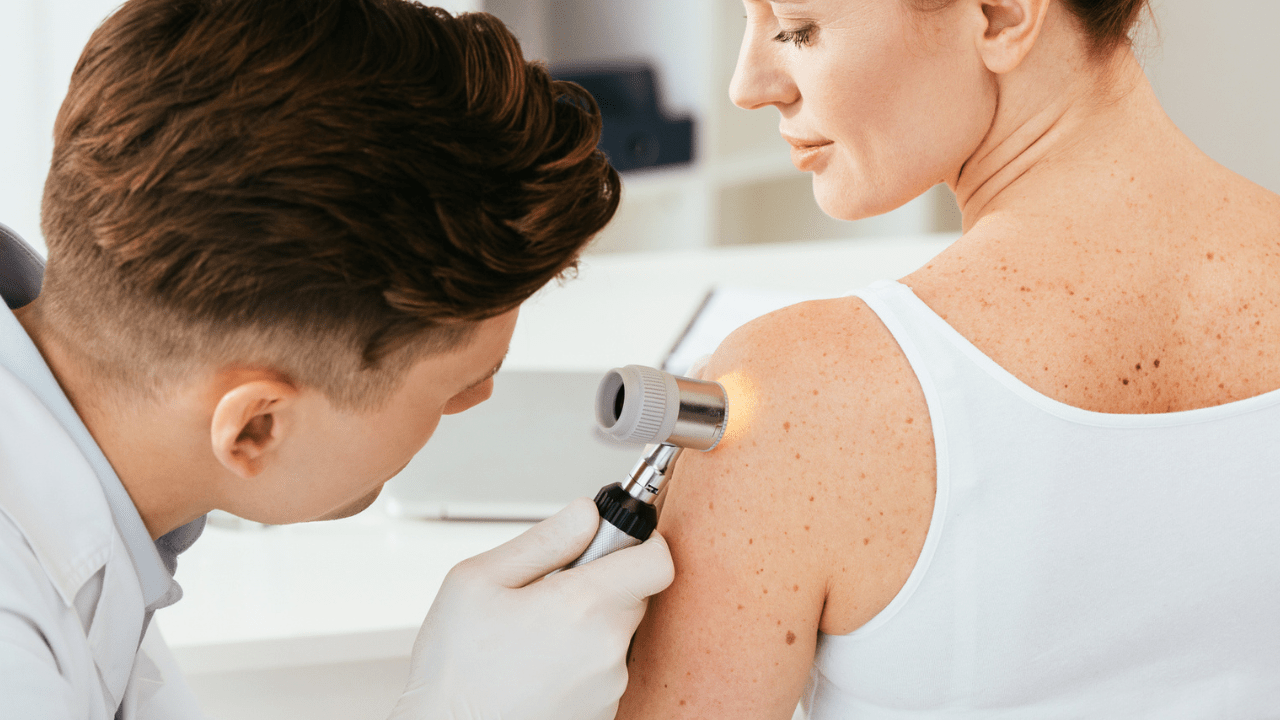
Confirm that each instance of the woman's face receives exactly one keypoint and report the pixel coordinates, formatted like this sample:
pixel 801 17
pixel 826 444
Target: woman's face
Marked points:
pixel 878 100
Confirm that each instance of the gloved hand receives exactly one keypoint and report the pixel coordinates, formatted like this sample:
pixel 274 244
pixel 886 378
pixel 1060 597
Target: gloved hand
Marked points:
pixel 503 642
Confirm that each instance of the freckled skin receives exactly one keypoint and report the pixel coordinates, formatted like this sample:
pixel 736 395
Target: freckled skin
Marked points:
pixel 802 533
pixel 1194 324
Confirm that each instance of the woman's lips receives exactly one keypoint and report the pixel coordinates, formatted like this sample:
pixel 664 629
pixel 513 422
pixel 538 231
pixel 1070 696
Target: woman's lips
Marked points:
pixel 805 154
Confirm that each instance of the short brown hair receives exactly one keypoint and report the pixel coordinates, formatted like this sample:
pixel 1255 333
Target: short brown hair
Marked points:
pixel 324 187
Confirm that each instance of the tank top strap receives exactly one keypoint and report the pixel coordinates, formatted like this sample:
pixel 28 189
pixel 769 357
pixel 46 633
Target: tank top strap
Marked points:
pixel 935 350
pixel 957 379
pixel 908 320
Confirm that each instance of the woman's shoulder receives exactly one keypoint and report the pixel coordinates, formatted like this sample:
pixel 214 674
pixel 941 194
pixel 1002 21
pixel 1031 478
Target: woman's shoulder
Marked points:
pixel 837 421
pixel 801 342
pixel 819 359
pixel 808 516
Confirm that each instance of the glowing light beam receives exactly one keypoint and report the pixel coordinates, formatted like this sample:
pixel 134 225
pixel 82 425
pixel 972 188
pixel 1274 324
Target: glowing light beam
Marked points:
pixel 741 395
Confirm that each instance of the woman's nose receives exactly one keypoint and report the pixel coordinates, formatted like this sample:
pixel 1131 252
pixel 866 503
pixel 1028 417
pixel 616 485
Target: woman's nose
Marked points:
pixel 760 77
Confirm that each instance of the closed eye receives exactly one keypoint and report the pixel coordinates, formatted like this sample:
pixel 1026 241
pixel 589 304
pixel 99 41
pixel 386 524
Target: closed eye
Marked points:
pixel 801 36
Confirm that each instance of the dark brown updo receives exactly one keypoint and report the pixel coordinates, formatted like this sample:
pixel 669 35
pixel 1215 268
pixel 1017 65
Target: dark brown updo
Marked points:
pixel 1107 24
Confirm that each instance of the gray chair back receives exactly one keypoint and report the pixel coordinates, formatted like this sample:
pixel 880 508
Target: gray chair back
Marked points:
pixel 21 269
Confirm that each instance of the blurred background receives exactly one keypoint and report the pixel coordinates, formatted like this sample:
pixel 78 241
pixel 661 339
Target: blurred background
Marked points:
pixel 707 173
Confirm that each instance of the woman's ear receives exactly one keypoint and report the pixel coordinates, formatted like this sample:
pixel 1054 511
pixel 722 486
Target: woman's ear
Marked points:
pixel 249 423
pixel 1010 31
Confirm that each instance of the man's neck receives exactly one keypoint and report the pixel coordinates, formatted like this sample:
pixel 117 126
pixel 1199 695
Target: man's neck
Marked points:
pixel 142 440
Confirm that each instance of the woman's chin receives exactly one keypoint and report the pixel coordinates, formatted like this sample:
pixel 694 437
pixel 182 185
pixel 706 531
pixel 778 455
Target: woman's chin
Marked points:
pixel 849 199
pixel 842 200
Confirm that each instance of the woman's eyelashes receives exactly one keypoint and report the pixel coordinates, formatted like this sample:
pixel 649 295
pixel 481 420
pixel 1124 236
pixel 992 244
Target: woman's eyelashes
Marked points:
pixel 801 36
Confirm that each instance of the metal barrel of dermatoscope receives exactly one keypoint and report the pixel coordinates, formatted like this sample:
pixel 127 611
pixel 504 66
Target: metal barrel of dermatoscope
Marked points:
pixel 644 405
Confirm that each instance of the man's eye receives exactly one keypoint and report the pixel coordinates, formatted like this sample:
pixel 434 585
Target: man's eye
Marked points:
pixel 801 36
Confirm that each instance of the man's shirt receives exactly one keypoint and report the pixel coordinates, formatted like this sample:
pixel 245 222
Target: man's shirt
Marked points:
pixel 21 271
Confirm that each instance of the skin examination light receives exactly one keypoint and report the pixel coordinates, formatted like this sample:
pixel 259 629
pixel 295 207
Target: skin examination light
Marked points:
pixel 642 405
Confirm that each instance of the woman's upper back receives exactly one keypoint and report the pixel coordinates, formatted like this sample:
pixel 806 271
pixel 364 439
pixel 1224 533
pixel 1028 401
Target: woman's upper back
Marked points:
pixel 1077 564
pixel 1155 289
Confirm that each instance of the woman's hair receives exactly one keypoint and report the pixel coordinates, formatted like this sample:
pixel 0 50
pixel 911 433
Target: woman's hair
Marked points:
pixel 329 188
pixel 1107 24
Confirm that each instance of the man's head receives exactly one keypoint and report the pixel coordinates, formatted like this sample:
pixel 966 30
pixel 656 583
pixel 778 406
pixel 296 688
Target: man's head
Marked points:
pixel 328 193
pixel 328 187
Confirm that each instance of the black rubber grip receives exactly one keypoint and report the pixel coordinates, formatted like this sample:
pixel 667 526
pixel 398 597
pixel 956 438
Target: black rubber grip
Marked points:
pixel 635 518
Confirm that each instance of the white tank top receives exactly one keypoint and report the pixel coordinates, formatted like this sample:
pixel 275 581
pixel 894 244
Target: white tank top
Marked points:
pixel 1078 564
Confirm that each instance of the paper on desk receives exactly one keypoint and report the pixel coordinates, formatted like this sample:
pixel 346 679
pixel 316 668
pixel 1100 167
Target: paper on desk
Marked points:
pixel 722 311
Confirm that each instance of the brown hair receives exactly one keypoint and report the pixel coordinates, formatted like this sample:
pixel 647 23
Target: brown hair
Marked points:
pixel 329 188
pixel 1107 24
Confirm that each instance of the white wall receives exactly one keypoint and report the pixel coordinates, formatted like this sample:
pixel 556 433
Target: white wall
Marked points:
pixel 40 41
pixel 1214 66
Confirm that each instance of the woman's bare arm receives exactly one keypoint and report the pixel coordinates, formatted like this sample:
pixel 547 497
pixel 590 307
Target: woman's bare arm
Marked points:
pixel 808 516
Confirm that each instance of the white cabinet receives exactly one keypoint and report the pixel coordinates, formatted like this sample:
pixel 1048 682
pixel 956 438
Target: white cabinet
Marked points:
pixel 741 187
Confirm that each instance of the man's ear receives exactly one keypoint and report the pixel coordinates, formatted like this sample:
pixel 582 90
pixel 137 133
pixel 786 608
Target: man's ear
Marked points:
pixel 249 424
pixel 1010 30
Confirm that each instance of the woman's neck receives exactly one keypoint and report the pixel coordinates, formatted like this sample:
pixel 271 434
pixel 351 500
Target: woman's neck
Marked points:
pixel 1060 136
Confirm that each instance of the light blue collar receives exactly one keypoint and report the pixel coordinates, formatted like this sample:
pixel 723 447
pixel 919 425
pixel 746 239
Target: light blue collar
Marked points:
pixel 21 272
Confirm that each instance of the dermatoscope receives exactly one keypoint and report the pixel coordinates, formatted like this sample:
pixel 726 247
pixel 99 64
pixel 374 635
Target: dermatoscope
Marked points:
pixel 640 405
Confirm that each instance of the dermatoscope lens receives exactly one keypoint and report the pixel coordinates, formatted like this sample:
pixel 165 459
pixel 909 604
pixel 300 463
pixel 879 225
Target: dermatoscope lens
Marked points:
pixel 640 404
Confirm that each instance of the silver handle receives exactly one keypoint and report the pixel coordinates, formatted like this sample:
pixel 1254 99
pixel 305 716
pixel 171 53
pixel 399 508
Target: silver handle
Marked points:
pixel 608 539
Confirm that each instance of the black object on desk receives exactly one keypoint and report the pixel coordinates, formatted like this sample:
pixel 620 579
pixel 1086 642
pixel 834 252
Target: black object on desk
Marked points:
pixel 637 134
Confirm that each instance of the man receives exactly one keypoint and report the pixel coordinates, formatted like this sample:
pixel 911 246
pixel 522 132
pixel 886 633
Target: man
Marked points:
pixel 284 238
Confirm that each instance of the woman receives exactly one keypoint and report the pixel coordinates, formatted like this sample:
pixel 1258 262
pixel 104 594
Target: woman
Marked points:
pixel 1036 478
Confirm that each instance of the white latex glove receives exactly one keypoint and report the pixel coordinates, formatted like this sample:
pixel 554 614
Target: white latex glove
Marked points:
pixel 503 642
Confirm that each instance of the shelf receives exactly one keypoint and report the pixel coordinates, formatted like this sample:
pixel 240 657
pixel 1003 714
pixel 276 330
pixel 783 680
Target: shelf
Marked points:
pixel 745 168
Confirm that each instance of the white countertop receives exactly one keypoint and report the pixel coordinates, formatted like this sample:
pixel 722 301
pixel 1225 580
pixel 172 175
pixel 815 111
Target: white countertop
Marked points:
pixel 339 591
pixel 630 308
pixel 357 589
